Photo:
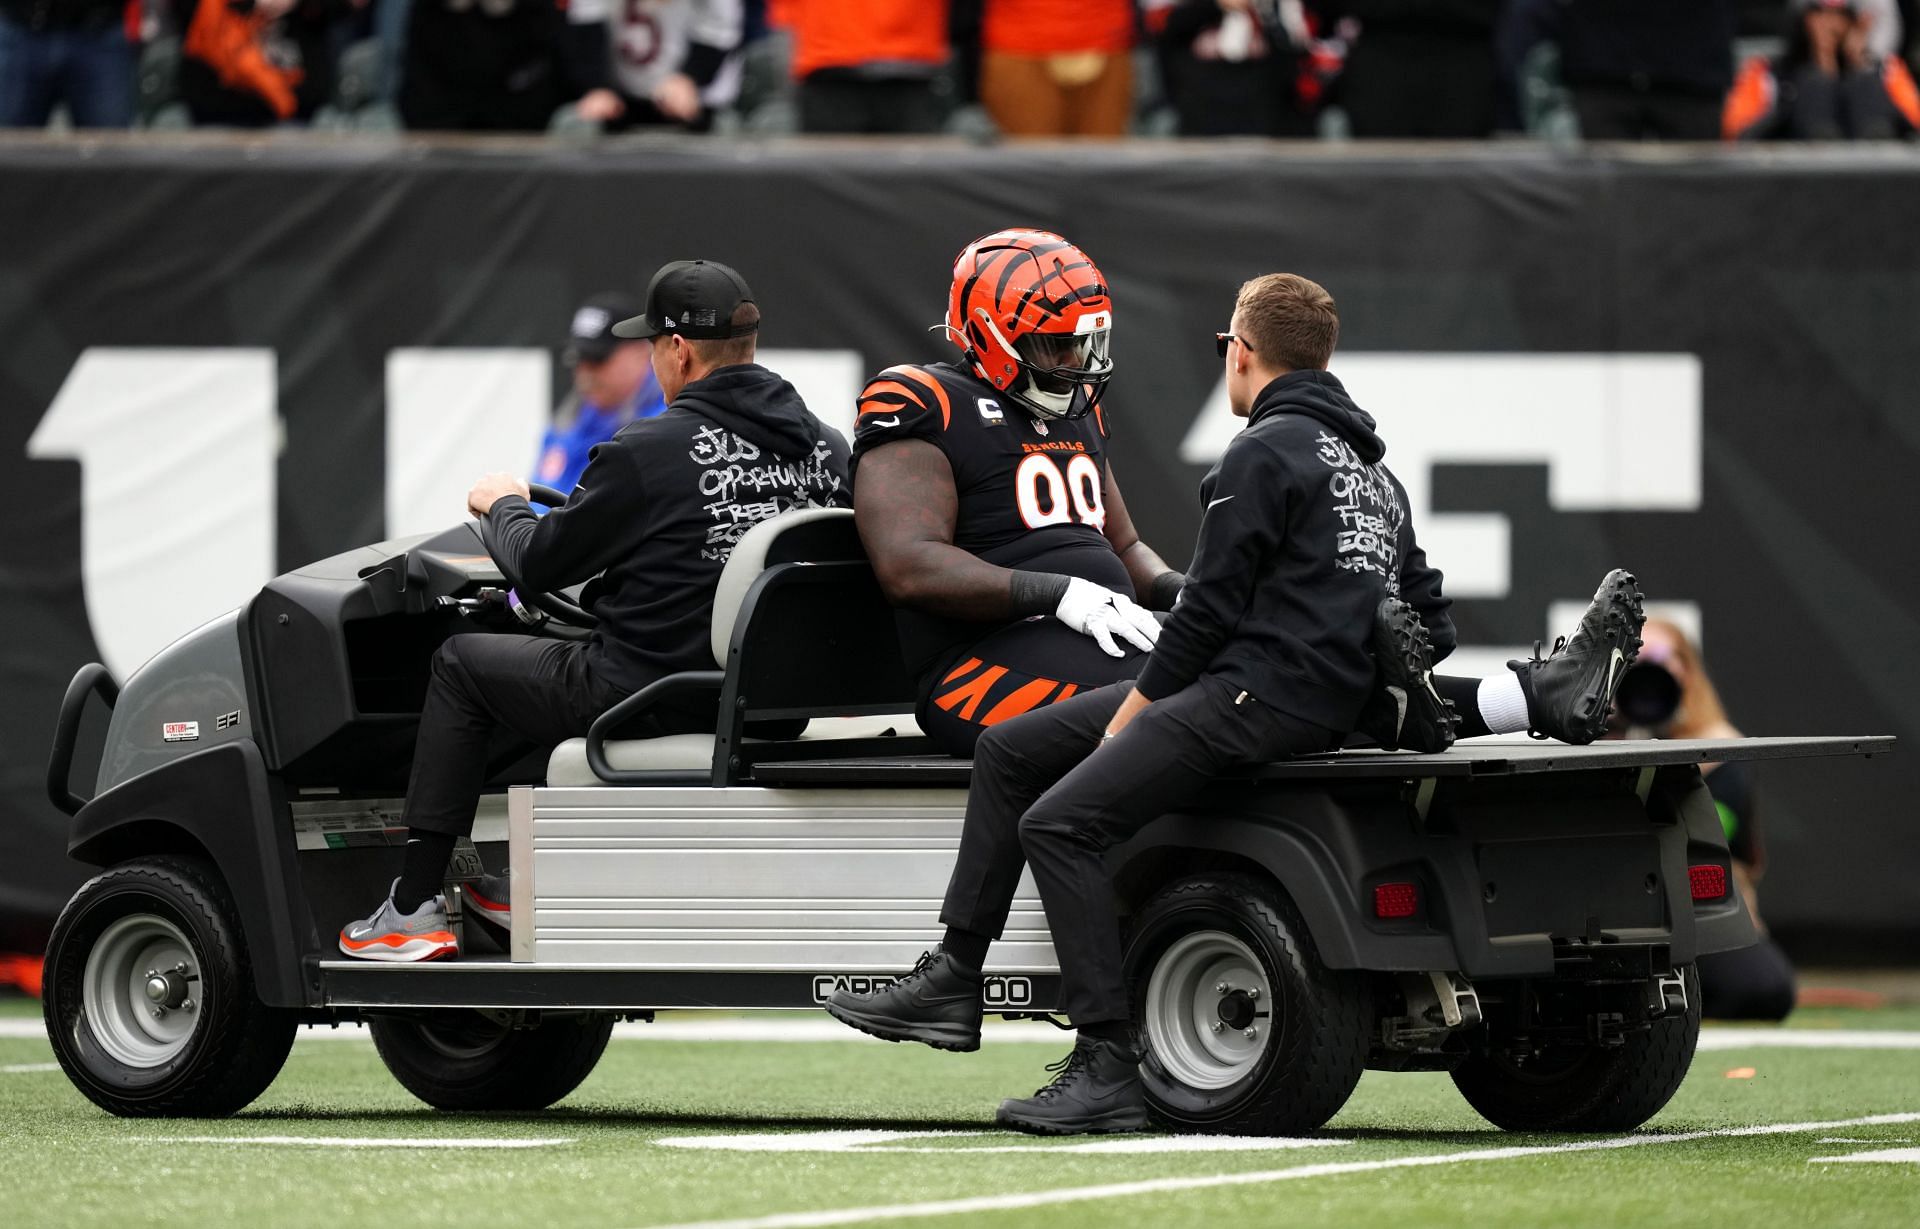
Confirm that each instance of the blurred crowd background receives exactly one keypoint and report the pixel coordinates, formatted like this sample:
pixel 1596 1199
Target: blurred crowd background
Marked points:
pixel 1403 69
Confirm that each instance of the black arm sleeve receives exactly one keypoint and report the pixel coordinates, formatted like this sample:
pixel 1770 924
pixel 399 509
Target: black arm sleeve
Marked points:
pixel 1166 590
pixel 1242 526
pixel 571 543
pixel 1420 589
pixel 1037 593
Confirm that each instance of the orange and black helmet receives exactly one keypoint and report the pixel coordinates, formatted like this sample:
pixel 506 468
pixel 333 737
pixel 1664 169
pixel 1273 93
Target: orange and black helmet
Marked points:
pixel 1034 317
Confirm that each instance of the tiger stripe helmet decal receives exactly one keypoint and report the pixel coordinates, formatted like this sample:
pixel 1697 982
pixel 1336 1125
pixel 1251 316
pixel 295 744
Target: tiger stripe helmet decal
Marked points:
pixel 1021 284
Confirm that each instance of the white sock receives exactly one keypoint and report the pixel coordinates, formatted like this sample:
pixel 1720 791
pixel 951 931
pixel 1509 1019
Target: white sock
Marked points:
pixel 1503 706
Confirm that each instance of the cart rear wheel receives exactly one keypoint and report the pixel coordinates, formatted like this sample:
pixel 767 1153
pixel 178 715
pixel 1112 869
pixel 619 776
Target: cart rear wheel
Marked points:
pixel 469 1060
pixel 150 1002
pixel 1245 1031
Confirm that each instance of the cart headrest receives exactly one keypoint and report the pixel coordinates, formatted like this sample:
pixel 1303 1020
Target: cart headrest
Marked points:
pixel 811 535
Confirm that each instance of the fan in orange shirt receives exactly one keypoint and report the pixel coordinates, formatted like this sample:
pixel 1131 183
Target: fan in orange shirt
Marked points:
pixel 868 66
pixel 1058 67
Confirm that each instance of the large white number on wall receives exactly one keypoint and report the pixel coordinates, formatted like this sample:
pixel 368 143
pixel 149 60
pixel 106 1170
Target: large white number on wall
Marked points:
pixel 176 450
pixel 453 415
pixel 829 381
pixel 1615 431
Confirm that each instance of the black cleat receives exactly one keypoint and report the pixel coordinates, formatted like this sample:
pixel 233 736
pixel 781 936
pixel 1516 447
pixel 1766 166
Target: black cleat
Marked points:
pixel 1570 691
pixel 939 1004
pixel 1097 1092
pixel 1404 711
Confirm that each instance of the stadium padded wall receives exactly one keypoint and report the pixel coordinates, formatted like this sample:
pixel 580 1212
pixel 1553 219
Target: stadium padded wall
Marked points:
pixel 1700 366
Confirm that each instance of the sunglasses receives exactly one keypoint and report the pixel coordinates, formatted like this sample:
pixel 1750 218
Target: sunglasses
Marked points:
pixel 1222 340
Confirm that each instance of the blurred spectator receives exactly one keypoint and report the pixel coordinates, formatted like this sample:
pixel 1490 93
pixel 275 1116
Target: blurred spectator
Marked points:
pixel 658 59
pixel 253 63
pixel 1057 67
pixel 1666 692
pixel 613 384
pixel 869 65
pixel 1829 86
pixel 77 52
pixel 1637 69
pixel 490 65
pixel 1423 68
pixel 1232 66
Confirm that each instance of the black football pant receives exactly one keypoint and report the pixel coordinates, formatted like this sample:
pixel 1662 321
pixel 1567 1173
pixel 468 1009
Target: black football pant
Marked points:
pixel 1047 792
pixel 492 699
pixel 1015 670
pixel 1037 662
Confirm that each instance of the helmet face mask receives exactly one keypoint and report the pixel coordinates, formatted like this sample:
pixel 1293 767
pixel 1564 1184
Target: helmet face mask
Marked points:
pixel 1061 369
pixel 1033 315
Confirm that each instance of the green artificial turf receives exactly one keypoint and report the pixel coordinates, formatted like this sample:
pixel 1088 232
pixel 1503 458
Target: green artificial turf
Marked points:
pixel 67 1163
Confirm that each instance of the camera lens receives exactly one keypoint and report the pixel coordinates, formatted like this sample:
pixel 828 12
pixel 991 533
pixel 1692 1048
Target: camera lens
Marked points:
pixel 1648 695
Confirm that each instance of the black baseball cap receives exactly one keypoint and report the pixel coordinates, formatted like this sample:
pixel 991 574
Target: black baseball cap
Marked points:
pixel 694 298
pixel 590 335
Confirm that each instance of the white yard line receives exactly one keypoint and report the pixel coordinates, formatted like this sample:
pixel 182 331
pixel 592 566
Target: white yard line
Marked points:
pixel 1159 1186
pixel 1898 1156
pixel 28 1068
pixel 1805 1039
pixel 339 1141
pixel 869 1141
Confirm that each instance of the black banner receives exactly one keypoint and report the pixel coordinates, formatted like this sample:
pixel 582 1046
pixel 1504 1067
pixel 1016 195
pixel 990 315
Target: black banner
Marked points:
pixel 1700 366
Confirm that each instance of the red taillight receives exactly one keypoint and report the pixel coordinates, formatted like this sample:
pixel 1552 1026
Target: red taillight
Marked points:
pixel 1395 900
pixel 1708 882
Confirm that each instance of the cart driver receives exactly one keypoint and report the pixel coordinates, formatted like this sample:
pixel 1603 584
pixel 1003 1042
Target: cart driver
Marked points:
pixel 656 525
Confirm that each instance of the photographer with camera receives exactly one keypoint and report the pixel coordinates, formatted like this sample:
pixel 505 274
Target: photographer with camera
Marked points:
pixel 1666 694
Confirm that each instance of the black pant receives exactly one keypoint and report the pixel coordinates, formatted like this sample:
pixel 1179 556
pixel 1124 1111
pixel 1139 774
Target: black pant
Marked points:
pixel 492 699
pixel 1038 662
pixel 1421 84
pixel 1016 669
pixel 1754 983
pixel 834 103
pixel 1047 791
pixel 1622 113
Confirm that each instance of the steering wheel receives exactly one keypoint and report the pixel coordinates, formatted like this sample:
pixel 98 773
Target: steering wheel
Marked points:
pixel 555 606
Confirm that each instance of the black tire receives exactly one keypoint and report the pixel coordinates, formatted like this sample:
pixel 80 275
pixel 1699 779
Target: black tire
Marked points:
pixel 463 1060
pixel 1588 1088
pixel 219 1046
pixel 1317 1030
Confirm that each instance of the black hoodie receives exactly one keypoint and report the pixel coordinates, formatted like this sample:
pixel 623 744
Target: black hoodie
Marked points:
pixel 1304 531
pixel 662 505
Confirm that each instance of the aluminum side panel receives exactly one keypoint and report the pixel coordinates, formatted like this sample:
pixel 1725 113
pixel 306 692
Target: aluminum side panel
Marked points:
pixel 747 879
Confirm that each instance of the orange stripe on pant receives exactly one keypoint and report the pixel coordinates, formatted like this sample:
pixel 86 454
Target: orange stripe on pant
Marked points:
pixel 972 692
pixel 1022 700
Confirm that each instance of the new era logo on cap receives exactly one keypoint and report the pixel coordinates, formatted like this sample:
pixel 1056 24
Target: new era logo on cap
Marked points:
pixel 591 322
pixel 695 298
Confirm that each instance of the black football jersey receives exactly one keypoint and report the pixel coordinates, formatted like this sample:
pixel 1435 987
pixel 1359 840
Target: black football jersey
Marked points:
pixel 1032 493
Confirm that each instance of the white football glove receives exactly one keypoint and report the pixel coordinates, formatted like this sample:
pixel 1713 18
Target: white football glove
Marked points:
pixel 1093 610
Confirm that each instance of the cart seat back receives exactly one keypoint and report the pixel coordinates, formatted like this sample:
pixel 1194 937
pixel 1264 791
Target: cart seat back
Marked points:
pixel 801 631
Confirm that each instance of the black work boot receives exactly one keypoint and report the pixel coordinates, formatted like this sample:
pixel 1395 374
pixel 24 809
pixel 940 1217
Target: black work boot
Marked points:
pixel 1570 691
pixel 938 1003
pixel 1097 1092
pixel 1404 710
